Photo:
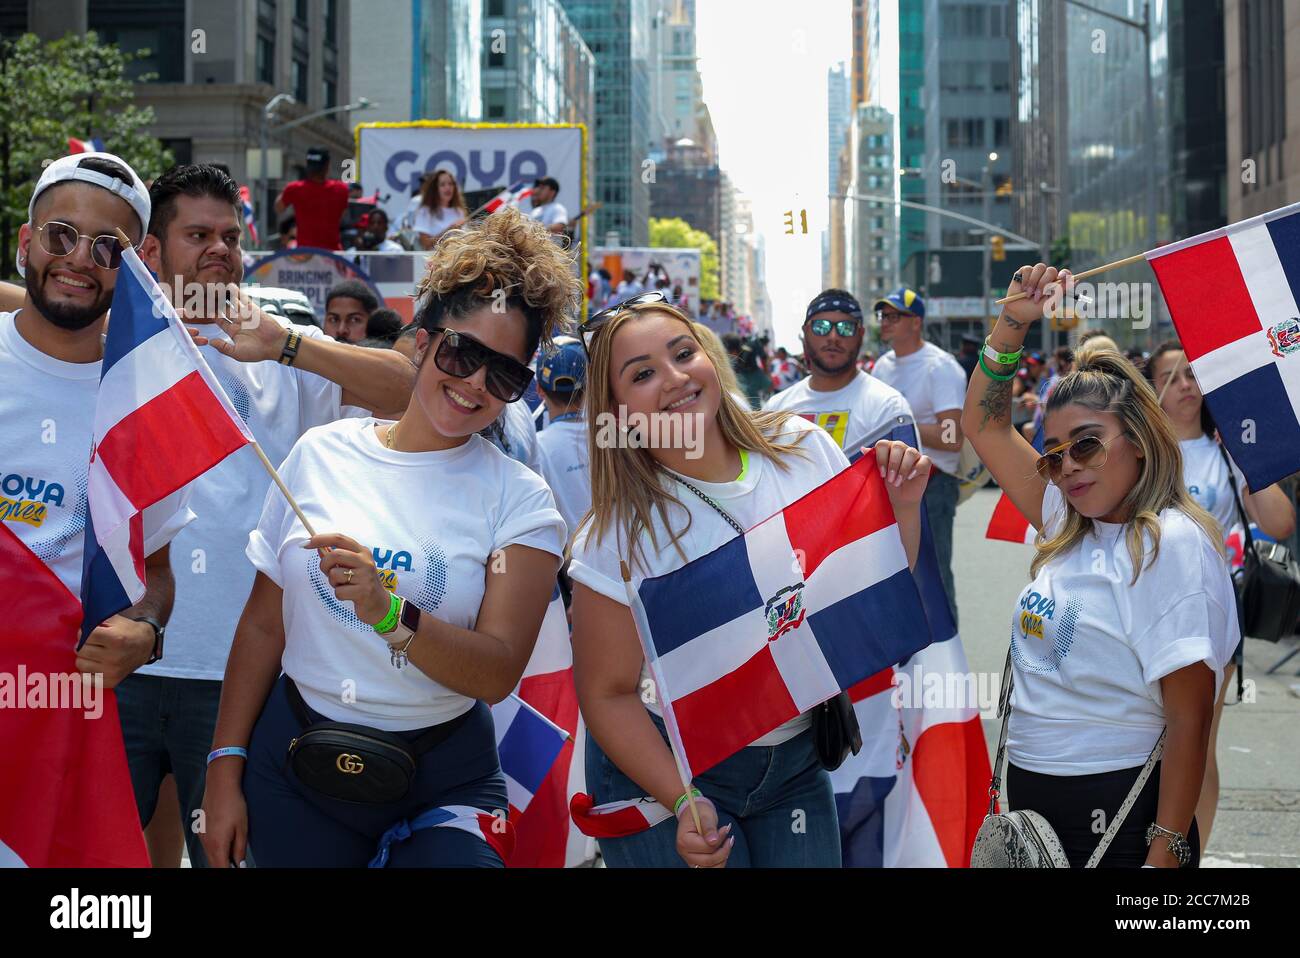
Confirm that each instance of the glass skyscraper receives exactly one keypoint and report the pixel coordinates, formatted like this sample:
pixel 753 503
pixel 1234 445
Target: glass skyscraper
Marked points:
pixel 911 125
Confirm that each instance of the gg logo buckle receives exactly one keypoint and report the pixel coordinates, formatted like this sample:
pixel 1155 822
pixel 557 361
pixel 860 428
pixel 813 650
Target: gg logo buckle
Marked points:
pixel 350 764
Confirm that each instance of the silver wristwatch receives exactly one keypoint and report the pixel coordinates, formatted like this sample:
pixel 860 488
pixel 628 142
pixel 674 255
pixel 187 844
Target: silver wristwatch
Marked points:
pixel 1177 841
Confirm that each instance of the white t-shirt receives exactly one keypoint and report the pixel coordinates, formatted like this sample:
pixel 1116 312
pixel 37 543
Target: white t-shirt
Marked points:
pixel 435 224
pixel 47 418
pixel 852 415
pixel 432 521
pixel 562 454
pixel 548 214
pixel 520 435
pixel 1206 476
pixel 278 404
pixel 764 491
pixel 1089 650
pixel 931 380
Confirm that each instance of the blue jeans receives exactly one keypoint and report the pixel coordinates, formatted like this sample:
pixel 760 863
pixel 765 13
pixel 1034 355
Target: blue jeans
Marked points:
pixel 941 507
pixel 167 726
pixel 291 826
pixel 778 801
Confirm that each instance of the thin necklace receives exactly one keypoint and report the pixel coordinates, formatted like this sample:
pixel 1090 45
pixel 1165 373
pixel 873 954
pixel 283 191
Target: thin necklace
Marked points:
pixel 388 439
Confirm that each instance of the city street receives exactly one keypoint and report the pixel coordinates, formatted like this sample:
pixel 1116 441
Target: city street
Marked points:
pixel 1258 823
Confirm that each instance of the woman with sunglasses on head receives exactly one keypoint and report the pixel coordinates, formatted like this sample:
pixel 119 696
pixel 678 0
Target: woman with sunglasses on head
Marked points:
pixel 1120 640
pixel 657 509
pixel 424 605
pixel 1210 478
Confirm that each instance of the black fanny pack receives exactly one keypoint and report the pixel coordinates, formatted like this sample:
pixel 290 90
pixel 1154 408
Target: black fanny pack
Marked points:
pixel 356 763
pixel 835 731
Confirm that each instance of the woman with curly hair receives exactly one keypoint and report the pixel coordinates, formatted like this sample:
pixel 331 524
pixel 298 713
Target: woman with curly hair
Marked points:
pixel 421 608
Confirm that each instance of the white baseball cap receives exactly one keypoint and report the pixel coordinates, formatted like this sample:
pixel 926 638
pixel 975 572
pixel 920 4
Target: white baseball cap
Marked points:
pixel 68 169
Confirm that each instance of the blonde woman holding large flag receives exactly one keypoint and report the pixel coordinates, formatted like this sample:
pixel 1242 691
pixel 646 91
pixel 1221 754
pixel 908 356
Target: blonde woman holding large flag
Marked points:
pixel 1118 645
pixel 771 804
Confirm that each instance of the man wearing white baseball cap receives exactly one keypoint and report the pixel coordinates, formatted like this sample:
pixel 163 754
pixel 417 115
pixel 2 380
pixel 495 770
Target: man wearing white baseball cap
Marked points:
pixel 50 353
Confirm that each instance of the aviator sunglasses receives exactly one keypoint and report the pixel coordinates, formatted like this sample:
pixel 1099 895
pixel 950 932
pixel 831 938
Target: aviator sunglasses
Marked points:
pixel 599 319
pixel 1087 451
pixel 461 355
pixel 60 239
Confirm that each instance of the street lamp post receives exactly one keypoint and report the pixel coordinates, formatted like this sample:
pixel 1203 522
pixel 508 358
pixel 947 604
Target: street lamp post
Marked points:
pixel 362 104
pixel 986 182
pixel 268 111
pixel 1049 336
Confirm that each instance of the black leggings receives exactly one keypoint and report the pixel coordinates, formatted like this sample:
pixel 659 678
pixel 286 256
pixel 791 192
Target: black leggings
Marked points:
pixel 1071 804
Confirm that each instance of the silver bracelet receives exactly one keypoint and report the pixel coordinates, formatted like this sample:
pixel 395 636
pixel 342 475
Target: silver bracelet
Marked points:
pixel 1177 842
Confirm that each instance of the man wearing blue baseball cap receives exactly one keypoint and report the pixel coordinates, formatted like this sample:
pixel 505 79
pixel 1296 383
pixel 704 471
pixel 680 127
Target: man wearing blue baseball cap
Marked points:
pixel 934 385
pixel 562 445
pixel 849 403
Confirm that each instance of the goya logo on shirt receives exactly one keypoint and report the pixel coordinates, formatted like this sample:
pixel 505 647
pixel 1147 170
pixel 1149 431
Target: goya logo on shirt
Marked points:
pixel 1043 633
pixel 428 592
pixel 27 498
pixel 835 423
pixel 389 562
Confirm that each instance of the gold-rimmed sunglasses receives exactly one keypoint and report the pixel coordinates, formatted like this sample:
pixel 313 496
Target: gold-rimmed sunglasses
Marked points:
pixel 1088 451
pixel 599 319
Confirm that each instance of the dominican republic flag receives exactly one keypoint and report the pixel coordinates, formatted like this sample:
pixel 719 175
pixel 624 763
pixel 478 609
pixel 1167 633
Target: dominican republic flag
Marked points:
pixel 545 836
pixel 806 604
pixel 1233 295
pixel 161 420
pixel 513 195
pixel 1007 523
pixel 250 216
pixel 95 145
pixel 65 790
pixel 916 793
pixel 497 831
pixel 528 743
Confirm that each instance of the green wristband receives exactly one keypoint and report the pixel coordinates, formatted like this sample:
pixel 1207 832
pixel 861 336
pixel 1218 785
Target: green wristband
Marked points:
pixel 1001 358
pixel 389 622
pixel 694 793
pixel 996 377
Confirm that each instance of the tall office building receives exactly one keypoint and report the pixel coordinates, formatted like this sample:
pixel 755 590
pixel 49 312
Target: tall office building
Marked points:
pixel 209 106
pixel 617 33
pixel 536 68
pixel 911 126
pixel 1263 106
pixel 869 227
pixel 837 121
pixel 418 59
pixel 1039 114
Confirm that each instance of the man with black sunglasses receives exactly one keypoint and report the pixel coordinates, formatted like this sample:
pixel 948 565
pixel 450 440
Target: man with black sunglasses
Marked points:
pixel 50 355
pixel 849 403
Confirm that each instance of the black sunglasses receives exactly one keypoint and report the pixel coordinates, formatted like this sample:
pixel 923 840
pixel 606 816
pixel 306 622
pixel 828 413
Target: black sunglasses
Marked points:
pixel 844 327
pixel 60 239
pixel 599 319
pixel 461 355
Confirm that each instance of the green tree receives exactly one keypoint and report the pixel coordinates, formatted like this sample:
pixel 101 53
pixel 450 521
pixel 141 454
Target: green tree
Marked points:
pixel 678 234
pixel 50 91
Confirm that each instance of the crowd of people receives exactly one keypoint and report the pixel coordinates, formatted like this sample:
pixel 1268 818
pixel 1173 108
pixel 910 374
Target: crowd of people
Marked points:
pixel 452 472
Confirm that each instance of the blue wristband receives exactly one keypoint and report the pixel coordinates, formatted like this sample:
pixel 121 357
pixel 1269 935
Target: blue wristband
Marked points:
pixel 217 753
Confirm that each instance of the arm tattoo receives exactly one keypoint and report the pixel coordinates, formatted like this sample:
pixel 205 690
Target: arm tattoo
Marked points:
pixel 1013 323
pixel 996 403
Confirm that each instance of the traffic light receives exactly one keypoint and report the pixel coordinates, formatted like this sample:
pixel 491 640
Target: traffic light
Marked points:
pixel 999 252
pixel 1003 188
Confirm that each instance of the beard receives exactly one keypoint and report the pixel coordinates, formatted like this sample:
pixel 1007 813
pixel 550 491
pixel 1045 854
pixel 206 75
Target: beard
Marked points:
pixel 823 367
pixel 69 316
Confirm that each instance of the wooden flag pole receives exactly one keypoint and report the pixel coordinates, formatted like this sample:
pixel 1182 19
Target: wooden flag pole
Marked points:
pixel 1178 368
pixel 1084 275
pixel 126 245
pixel 681 767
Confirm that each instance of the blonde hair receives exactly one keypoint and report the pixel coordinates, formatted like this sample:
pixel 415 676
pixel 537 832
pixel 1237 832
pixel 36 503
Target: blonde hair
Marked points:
pixel 726 373
pixel 626 484
pixel 1104 380
pixel 1090 343
pixel 505 253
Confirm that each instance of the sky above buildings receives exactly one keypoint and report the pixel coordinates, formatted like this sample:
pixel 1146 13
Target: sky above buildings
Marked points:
pixel 763 66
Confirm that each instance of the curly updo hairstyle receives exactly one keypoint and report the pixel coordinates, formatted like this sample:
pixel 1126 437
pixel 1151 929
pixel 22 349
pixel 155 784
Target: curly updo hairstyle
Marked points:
pixel 505 251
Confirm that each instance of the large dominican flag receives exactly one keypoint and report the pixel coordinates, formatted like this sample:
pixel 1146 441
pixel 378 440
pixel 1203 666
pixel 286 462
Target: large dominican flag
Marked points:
pixel 804 605
pixel 545 836
pixel 65 790
pixel 1233 295
pixel 161 420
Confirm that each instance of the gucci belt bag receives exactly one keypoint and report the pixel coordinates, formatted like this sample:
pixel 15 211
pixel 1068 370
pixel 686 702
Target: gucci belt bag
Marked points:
pixel 356 763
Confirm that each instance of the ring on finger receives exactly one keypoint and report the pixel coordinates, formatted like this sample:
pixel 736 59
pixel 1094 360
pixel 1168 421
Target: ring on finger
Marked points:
pixel 348 575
